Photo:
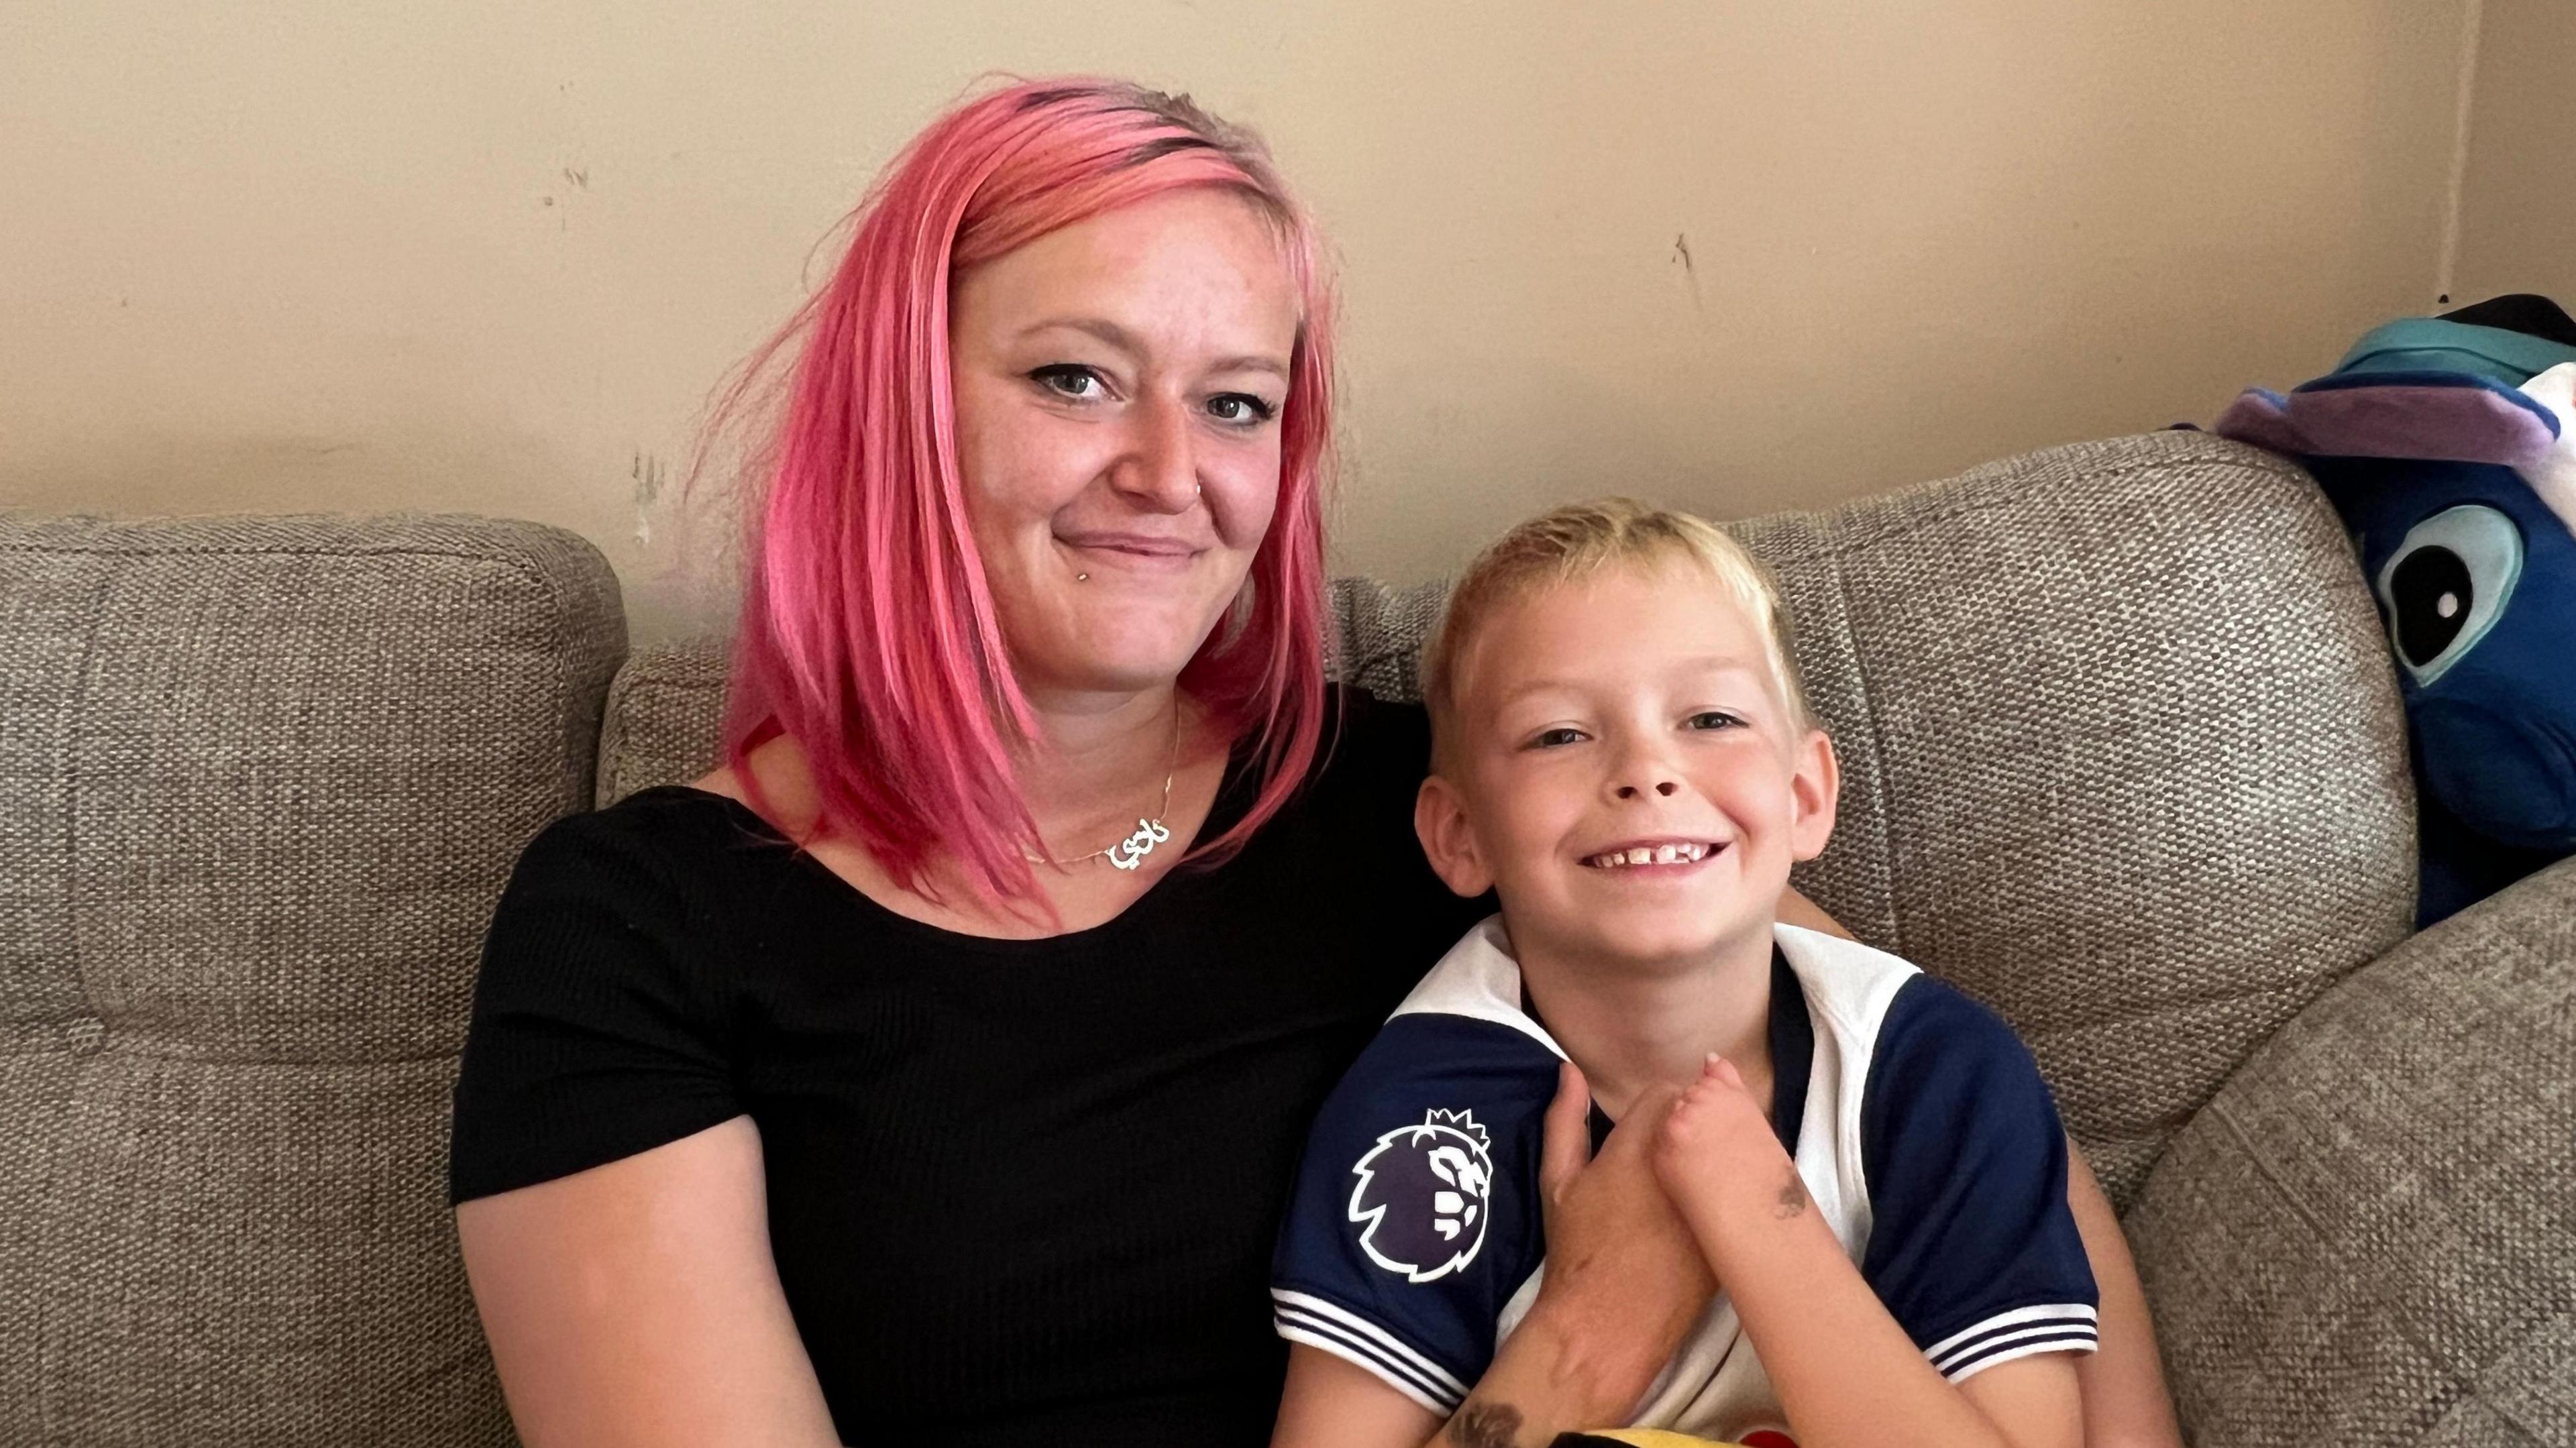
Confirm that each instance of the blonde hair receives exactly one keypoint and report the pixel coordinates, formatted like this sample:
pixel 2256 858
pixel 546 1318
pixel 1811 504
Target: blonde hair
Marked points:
pixel 1565 544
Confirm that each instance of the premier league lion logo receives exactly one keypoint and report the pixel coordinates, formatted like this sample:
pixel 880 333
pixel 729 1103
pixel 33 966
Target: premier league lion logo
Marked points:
pixel 1423 1194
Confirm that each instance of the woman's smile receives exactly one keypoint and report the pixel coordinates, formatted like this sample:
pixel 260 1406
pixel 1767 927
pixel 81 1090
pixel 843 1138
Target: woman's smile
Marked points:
pixel 1135 552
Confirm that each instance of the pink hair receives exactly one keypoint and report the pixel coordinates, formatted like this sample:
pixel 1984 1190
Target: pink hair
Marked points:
pixel 868 634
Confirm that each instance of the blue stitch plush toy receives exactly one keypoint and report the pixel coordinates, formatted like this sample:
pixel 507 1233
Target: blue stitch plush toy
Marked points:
pixel 2448 444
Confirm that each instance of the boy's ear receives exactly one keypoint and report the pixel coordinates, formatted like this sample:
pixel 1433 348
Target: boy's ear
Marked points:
pixel 1815 788
pixel 1440 822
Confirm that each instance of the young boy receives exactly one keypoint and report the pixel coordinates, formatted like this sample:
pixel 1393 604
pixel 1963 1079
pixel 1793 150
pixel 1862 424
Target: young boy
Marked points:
pixel 1866 1159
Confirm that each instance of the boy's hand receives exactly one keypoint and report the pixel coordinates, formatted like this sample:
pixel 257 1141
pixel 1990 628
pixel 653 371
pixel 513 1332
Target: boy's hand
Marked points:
pixel 1722 1164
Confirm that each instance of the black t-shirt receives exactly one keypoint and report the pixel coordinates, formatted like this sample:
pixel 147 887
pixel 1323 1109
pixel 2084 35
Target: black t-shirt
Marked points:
pixel 1019 1191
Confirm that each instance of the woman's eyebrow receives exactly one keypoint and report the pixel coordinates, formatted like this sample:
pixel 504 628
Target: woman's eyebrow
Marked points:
pixel 1100 327
pixel 1125 341
pixel 1271 365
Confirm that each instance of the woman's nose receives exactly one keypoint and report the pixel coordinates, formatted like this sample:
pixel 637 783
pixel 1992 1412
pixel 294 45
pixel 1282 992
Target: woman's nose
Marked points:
pixel 1160 466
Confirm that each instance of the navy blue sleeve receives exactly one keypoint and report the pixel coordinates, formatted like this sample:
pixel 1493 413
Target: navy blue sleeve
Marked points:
pixel 1415 1213
pixel 1971 1246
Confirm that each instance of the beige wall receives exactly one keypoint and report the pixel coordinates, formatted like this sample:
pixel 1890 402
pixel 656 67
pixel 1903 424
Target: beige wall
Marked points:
pixel 492 255
pixel 2518 203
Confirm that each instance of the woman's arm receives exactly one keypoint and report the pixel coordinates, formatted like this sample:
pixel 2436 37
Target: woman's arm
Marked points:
pixel 637 1303
pixel 1796 909
pixel 1624 1283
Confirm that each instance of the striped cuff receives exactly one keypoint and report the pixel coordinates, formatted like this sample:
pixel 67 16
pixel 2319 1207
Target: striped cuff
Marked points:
pixel 1354 1339
pixel 2022 1332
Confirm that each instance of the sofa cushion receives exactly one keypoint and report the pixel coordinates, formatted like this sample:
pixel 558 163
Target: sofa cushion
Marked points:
pixel 2369 1237
pixel 2130 760
pixel 2122 751
pixel 261 780
pixel 664 713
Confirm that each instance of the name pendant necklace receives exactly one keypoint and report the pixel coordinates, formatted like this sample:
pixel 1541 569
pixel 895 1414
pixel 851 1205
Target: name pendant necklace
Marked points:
pixel 1130 853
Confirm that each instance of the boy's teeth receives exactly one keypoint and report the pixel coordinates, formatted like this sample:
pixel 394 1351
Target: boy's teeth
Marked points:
pixel 1649 855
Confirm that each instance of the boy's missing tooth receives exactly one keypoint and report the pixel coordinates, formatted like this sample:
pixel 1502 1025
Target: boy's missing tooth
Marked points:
pixel 1870 1166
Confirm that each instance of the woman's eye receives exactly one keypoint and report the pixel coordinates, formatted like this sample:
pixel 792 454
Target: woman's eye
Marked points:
pixel 1069 380
pixel 1554 738
pixel 1714 719
pixel 1240 407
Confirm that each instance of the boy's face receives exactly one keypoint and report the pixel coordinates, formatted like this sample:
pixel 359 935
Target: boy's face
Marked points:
pixel 1631 711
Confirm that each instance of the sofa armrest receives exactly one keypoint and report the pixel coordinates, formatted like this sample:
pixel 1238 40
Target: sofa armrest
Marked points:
pixel 2369 1235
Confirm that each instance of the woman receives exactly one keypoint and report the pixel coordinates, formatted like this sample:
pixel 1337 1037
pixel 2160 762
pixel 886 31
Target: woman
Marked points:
pixel 964 1117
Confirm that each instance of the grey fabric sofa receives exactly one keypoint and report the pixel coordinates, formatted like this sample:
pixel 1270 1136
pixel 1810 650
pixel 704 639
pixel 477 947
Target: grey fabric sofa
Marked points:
pixel 2123 756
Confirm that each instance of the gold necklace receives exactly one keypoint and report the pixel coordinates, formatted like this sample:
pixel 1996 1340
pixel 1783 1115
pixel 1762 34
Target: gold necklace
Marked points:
pixel 1130 853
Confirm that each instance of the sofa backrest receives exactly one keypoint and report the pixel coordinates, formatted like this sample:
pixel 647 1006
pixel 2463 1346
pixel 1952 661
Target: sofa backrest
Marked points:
pixel 261 781
pixel 2122 752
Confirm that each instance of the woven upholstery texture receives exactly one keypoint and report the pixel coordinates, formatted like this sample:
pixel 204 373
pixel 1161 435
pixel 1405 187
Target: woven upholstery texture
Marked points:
pixel 2123 756
pixel 2122 752
pixel 261 780
pixel 2370 1235
pixel 665 711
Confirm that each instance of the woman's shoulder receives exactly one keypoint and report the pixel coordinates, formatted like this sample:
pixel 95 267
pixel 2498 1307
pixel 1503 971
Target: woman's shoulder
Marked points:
pixel 660 855
pixel 600 1015
pixel 665 821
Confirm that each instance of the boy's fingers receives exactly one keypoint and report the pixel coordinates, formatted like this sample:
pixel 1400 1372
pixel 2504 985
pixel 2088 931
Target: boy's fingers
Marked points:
pixel 1566 1143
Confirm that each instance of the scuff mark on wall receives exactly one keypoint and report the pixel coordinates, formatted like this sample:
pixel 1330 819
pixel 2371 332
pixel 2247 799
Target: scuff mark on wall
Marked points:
pixel 1690 270
pixel 648 474
pixel 575 179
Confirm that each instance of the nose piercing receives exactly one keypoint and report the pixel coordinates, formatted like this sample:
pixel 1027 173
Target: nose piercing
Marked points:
pixel 1082 578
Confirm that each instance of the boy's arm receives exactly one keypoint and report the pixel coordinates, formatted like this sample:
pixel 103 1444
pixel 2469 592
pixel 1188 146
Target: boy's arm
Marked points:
pixel 1847 1374
pixel 1330 1403
pixel 2125 1402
